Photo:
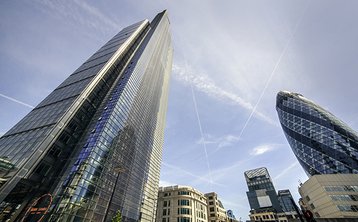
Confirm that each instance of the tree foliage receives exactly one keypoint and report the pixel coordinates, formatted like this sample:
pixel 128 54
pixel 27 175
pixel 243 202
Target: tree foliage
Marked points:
pixel 117 217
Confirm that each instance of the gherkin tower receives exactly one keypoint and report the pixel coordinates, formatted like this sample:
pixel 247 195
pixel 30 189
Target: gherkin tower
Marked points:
pixel 321 142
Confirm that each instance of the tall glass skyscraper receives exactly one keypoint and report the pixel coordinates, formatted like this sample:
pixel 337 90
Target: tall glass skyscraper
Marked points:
pixel 322 143
pixel 94 145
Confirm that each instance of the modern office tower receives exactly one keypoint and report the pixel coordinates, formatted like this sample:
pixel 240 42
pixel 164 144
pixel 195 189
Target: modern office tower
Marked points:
pixel 322 143
pixel 262 196
pixel 93 146
pixel 331 195
pixel 287 203
pixel 181 204
pixel 216 210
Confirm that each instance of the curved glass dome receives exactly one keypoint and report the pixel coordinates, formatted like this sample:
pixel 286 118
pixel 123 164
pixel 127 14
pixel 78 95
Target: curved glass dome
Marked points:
pixel 322 143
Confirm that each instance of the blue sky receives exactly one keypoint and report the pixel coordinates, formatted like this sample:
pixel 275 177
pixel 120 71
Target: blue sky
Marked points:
pixel 230 60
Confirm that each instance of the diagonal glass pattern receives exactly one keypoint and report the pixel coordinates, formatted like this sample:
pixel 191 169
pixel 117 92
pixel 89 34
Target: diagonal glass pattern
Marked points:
pixel 322 143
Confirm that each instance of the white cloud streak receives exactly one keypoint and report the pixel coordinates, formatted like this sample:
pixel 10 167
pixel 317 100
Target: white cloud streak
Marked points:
pixel 262 149
pixel 204 84
pixel 16 101
pixel 202 135
pixel 223 141
pixel 286 170
pixel 274 70
pixel 80 12
pixel 97 14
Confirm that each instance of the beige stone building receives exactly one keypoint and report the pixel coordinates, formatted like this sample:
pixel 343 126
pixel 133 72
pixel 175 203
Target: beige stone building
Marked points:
pixel 268 216
pixel 216 210
pixel 181 204
pixel 331 195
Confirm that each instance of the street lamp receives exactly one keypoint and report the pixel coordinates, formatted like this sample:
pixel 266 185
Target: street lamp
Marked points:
pixel 117 170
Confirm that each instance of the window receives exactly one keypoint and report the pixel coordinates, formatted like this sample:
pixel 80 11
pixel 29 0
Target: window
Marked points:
pixel 184 219
pixel 165 204
pixel 42 169
pixel 183 203
pixel 212 209
pixel 183 192
pixel 344 197
pixel 341 188
pixel 184 211
pixel 348 208
pixel 164 212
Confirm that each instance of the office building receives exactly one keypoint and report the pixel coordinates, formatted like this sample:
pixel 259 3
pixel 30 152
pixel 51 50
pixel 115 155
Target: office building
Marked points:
pixel 331 195
pixel 287 203
pixel 93 146
pixel 181 204
pixel 216 210
pixel 263 200
pixel 322 143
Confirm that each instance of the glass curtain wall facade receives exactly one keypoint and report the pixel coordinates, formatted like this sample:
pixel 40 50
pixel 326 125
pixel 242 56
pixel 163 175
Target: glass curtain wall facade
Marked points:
pixel 322 143
pixel 93 146
pixel 285 198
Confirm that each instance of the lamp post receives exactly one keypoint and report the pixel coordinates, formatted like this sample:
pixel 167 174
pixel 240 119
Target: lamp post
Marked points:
pixel 118 170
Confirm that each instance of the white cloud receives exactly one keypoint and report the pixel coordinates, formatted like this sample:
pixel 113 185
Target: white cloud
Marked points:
pixel 204 84
pixel 228 140
pixel 261 149
pixel 223 141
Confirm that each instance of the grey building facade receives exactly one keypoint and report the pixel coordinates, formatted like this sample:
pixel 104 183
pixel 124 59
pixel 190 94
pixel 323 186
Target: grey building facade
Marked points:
pixel 94 145
pixel 322 143
pixel 262 194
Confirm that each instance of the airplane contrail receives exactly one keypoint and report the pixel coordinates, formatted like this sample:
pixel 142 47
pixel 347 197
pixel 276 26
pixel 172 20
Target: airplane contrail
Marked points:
pixel 274 69
pixel 202 134
pixel 16 101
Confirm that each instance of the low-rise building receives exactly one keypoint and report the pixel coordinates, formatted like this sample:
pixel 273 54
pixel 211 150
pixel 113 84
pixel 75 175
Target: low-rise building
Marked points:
pixel 331 195
pixel 216 210
pixel 181 204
